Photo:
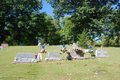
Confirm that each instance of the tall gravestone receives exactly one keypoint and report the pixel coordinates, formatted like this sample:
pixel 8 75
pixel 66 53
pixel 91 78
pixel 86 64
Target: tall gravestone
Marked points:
pixel 101 53
pixel 25 58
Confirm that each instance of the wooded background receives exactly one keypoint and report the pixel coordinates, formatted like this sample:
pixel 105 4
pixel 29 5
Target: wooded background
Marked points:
pixel 90 21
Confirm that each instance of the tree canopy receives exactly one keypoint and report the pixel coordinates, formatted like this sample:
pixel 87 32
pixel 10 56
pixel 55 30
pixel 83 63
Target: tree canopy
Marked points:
pixel 95 16
pixel 21 21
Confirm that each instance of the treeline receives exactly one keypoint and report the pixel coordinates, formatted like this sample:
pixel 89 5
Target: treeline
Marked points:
pixel 90 21
pixel 21 21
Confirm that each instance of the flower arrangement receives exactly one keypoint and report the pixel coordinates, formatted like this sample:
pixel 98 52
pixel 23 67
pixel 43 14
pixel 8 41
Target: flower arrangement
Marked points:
pixel 77 49
pixel 91 51
pixel 35 56
pixel 63 49
pixel 43 50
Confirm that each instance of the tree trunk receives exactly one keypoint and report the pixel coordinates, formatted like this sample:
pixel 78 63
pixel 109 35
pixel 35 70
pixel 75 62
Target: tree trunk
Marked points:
pixel 46 35
pixel 18 36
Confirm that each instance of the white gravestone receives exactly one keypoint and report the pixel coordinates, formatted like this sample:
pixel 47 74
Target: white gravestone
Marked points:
pixel 1 48
pixel 101 53
pixel 74 45
pixel 25 58
pixel 53 56
pixel 39 56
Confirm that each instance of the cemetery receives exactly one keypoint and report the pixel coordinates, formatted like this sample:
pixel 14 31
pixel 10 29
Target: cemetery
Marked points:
pixel 22 62
pixel 60 40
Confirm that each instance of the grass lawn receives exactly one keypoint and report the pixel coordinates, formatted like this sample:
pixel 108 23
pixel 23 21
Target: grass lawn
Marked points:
pixel 67 70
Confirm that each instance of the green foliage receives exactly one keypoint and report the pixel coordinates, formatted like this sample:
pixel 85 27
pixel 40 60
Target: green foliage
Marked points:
pixel 92 43
pixel 21 21
pixel 51 28
pixel 93 16
pixel 116 21
pixel 82 39
pixel 5 10
pixel 66 31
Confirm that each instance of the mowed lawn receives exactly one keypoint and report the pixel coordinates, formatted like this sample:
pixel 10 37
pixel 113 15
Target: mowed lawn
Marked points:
pixel 66 70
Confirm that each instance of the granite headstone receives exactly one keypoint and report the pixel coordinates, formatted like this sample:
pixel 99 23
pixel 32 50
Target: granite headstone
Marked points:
pixel 53 56
pixel 78 55
pixel 101 53
pixel 25 58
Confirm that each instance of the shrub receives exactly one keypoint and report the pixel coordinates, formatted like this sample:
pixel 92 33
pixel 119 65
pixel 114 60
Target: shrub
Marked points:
pixel 82 39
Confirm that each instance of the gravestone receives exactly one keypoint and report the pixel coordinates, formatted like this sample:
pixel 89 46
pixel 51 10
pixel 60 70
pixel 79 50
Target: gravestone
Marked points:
pixel 53 56
pixel 1 48
pixel 25 58
pixel 5 45
pixel 74 45
pixel 77 56
pixel 39 56
pixel 101 53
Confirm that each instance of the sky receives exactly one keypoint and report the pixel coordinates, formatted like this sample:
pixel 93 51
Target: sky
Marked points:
pixel 47 8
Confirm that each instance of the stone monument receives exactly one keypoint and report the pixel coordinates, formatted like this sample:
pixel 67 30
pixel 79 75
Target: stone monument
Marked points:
pixel 25 58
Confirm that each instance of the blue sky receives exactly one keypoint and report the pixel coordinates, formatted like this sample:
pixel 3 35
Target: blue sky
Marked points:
pixel 47 8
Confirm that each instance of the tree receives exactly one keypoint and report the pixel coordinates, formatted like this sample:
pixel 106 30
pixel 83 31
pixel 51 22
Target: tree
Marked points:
pixel 22 20
pixel 5 11
pixel 65 32
pixel 106 20
pixel 85 14
pixel 117 25
pixel 82 42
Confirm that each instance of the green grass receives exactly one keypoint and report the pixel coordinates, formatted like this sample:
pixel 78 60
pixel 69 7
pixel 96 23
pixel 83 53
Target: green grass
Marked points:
pixel 67 70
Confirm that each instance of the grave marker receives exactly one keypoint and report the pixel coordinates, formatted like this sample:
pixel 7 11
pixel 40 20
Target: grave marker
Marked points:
pixel 25 58
pixel 53 56
pixel 101 53
pixel 74 44
pixel 78 55
pixel 1 48
pixel 5 45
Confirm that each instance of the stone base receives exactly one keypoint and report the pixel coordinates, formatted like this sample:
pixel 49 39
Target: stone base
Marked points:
pixel 80 58
pixel 25 61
